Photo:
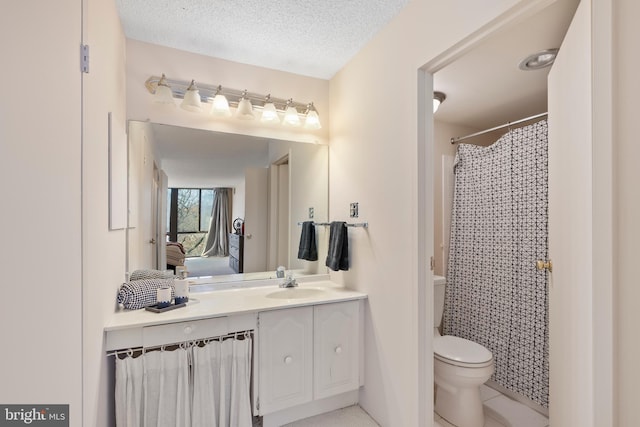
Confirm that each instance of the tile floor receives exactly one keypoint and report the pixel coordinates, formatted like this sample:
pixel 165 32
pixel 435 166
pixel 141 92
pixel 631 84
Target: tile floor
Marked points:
pixel 352 416
pixel 500 411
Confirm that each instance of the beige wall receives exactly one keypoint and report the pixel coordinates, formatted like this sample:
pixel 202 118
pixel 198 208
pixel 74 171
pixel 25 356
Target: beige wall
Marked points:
pixel 627 209
pixel 145 60
pixel 40 168
pixel 68 284
pixel 367 139
pixel 103 250
pixel 373 158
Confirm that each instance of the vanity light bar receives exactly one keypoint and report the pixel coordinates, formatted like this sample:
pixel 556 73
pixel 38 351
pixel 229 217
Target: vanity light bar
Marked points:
pixel 208 92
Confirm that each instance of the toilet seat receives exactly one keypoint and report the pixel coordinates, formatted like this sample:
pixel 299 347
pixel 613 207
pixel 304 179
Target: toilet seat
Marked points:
pixel 461 352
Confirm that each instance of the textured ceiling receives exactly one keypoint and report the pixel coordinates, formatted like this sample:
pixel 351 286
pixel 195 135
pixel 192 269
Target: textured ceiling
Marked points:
pixel 308 37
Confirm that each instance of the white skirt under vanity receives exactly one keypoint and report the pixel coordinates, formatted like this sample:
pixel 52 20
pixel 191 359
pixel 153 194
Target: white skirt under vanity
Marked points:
pixel 307 342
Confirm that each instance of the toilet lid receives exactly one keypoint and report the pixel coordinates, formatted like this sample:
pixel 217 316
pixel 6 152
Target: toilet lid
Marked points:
pixel 460 350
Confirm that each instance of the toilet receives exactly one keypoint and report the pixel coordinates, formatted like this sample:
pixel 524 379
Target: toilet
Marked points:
pixel 460 367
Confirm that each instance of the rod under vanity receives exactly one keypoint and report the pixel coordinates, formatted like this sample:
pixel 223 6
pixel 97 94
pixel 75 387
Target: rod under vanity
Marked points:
pixel 354 224
pixel 181 344
pixel 506 125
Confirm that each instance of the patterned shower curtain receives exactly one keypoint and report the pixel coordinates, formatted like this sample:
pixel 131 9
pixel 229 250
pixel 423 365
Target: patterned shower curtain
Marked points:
pixel 495 296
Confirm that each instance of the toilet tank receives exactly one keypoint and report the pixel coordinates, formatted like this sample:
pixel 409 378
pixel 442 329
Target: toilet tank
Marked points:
pixel 439 283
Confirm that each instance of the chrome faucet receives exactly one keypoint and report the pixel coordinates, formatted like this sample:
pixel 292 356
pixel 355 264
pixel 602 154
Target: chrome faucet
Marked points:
pixel 289 282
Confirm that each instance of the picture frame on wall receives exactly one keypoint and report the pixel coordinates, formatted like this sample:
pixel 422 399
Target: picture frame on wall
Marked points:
pixel 118 158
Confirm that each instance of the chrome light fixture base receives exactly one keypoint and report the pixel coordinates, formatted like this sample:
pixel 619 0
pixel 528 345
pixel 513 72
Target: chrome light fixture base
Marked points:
pixel 245 102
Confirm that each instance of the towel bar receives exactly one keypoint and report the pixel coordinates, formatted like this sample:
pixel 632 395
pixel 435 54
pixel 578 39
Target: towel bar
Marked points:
pixel 355 224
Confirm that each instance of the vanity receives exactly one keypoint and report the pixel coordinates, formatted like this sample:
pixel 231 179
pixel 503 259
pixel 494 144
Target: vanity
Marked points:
pixel 307 341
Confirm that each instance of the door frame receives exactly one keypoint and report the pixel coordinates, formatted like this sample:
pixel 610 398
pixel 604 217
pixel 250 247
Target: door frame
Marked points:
pixel 602 209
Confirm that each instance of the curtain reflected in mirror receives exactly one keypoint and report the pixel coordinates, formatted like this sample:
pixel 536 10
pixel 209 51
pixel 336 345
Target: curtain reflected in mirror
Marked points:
pixel 216 243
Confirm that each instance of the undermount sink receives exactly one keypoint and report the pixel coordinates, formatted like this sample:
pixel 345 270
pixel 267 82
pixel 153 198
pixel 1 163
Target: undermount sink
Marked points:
pixel 295 293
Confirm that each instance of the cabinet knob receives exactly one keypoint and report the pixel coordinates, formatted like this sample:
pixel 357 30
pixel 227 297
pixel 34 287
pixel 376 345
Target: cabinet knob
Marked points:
pixel 288 360
pixel 188 330
pixel 338 349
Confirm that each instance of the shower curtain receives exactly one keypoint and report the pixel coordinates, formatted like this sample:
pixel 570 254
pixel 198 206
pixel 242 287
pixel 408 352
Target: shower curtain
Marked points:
pixel 495 296
pixel 205 384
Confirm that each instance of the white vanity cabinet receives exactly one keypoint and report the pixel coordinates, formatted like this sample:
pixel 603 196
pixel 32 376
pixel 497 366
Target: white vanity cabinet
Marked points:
pixel 336 348
pixel 286 358
pixel 307 354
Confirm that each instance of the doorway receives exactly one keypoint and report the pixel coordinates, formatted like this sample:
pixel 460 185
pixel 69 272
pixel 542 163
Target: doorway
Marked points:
pixel 427 159
pixel 279 214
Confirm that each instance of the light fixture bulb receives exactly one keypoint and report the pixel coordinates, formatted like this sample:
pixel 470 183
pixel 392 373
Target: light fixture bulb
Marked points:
pixel 220 105
pixel 313 120
pixel 291 117
pixel 163 94
pixel 192 101
pixel 269 112
pixel 436 104
pixel 245 109
pixel 438 98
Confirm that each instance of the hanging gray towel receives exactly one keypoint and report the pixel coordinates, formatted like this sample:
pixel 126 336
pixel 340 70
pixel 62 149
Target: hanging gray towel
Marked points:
pixel 308 250
pixel 338 253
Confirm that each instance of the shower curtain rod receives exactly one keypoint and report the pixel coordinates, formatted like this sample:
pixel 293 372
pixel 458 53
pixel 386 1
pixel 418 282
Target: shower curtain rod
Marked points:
pixel 526 119
pixel 130 350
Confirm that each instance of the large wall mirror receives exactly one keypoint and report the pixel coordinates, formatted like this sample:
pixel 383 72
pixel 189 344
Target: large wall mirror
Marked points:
pixel 176 178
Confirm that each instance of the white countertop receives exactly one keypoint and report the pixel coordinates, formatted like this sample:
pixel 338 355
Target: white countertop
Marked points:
pixel 204 305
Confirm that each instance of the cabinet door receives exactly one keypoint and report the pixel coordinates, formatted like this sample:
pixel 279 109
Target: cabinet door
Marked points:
pixel 336 347
pixel 286 352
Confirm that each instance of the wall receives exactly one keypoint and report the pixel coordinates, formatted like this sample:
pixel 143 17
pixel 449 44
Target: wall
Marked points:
pixel 627 210
pixel 145 60
pixel 40 167
pixel 103 250
pixel 373 158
